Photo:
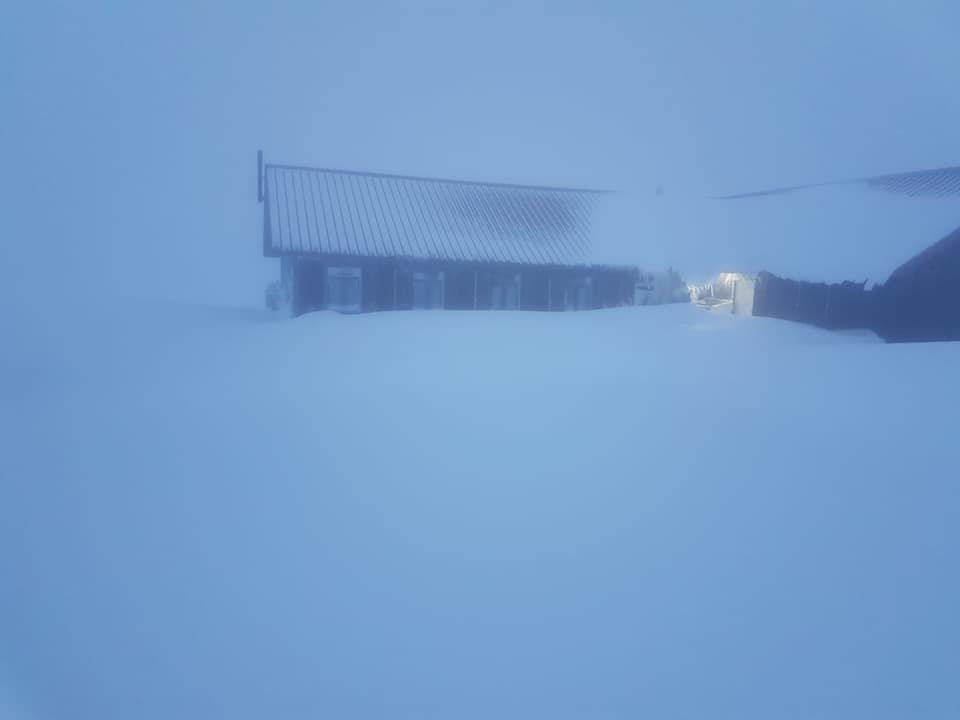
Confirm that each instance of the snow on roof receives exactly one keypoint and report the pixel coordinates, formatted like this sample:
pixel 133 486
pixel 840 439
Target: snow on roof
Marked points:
pixel 939 182
pixel 829 233
pixel 322 211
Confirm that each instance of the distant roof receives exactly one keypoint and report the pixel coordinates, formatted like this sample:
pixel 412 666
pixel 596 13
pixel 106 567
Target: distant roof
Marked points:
pixel 939 182
pixel 829 234
pixel 342 212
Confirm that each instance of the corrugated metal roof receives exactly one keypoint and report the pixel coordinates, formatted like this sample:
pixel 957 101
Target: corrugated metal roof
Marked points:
pixel 943 182
pixel 939 182
pixel 322 211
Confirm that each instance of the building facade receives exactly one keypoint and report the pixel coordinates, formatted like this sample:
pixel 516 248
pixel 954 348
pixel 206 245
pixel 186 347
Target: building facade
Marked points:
pixel 362 242
pixel 915 304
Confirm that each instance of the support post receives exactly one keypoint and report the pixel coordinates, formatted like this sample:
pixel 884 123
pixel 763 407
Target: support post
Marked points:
pixel 475 273
pixel 260 176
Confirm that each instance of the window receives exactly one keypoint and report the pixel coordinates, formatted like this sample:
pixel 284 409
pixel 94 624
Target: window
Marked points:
pixel 427 290
pixel 344 289
pixel 577 295
pixel 505 293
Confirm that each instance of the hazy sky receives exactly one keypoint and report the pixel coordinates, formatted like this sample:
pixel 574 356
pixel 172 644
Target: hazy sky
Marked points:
pixel 130 130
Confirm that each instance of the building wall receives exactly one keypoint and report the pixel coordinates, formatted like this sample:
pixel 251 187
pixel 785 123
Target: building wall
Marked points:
pixel 841 306
pixel 458 293
pixel 309 286
pixel 660 288
pixel 743 292
pixel 387 284
pixel 918 302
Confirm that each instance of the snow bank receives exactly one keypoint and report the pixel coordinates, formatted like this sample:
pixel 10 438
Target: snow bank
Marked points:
pixel 9 708
pixel 651 511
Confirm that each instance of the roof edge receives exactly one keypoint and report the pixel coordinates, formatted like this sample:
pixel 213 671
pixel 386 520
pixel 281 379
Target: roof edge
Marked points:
pixel 869 180
pixel 461 262
pixel 422 178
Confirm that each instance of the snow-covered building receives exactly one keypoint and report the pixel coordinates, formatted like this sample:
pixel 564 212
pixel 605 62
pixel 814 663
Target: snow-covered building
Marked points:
pixel 869 234
pixel 357 242
pixel 918 301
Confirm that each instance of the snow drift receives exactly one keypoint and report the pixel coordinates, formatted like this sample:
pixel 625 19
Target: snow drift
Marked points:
pixel 650 511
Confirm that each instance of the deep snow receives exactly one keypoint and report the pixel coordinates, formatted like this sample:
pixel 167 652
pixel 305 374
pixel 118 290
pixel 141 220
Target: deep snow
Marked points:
pixel 209 513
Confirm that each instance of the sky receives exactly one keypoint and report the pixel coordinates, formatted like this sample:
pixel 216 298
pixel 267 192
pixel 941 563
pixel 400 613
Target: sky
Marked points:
pixel 130 130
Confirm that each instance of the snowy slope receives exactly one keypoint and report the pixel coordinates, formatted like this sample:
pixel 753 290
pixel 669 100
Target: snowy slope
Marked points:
pixel 639 512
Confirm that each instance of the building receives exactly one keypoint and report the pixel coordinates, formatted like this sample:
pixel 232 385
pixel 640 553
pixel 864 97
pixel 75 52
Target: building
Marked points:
pixel 660 288
pixel 914 304
pixel 834 306
pixel 727 292
pixel 360 242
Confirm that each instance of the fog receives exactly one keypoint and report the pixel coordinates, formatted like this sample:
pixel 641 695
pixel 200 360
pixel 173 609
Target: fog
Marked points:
pixel 210 512
pixel 130 132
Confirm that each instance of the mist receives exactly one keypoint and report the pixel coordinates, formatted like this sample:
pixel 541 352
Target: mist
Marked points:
pixel 130 132
pixel 208 511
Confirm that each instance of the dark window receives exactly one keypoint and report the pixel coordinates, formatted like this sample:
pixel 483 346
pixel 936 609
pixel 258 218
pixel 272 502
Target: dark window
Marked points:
pixel 344 289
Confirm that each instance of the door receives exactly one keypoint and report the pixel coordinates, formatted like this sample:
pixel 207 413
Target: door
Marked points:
pixel 344 289
pixel 577 295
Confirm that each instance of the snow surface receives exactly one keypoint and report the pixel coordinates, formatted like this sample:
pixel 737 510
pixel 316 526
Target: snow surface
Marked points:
pixel 827 234
pixel 644 512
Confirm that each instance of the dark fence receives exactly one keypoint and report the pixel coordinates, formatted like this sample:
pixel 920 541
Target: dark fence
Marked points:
pixel 840 306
